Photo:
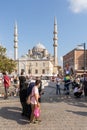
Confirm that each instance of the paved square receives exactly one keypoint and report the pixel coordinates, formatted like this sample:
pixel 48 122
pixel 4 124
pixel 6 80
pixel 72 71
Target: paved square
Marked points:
pixel 57 113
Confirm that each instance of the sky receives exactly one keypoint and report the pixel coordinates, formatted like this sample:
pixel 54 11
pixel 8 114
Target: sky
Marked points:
pixel 35 21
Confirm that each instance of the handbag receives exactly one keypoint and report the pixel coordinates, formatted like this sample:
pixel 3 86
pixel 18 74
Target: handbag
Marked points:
pixel 37 112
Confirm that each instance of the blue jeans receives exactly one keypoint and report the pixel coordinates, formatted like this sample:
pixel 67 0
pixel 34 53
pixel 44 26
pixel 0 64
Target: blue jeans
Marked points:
pixel 67 89
pixel 57 89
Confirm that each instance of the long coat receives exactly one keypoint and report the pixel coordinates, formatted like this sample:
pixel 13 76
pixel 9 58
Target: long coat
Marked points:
pixel 23 89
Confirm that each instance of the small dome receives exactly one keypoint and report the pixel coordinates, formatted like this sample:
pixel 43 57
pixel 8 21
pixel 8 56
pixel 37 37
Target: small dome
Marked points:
pixel 39 45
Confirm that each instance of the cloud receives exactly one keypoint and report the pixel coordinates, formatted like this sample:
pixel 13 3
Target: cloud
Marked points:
pixel 78 6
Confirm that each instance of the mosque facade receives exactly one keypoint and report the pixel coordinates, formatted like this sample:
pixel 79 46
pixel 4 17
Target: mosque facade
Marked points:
pixel 38 61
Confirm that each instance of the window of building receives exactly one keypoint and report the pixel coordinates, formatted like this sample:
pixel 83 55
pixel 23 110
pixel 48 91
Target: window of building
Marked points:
pixel 36 71
pixel 43 71
pixel 29 71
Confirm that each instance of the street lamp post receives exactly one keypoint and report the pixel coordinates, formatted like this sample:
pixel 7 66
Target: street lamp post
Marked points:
pixel 84 56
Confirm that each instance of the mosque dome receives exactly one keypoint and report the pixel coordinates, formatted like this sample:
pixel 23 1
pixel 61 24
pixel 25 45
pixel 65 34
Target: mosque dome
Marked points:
pixel 39 46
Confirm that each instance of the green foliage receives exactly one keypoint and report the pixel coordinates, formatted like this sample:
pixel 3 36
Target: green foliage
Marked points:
pixel 2 51
pixel 6 64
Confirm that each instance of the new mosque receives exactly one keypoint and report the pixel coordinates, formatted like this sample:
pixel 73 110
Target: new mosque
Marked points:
pixel 38 61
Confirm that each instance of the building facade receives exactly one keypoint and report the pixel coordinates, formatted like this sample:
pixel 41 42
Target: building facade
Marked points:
pixel 74 61
pixel 38 61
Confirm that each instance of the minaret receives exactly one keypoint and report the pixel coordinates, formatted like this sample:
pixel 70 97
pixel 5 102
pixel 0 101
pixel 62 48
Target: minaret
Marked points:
pixel 55 39
pixel 15 42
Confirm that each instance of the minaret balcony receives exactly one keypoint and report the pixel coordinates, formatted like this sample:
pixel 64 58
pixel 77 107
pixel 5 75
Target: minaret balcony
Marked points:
pixel 55 38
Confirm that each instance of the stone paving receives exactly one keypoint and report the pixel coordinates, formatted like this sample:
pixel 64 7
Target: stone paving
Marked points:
pixel 57 113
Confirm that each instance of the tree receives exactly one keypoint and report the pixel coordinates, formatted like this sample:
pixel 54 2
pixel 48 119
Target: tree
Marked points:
pixel 2 51
pixel 6 64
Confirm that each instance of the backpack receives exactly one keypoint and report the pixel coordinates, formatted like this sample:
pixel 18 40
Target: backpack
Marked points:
pixel 29 91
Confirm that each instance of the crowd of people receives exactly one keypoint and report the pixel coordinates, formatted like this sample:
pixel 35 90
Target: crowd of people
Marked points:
pixel 78 83
pixel 30 92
